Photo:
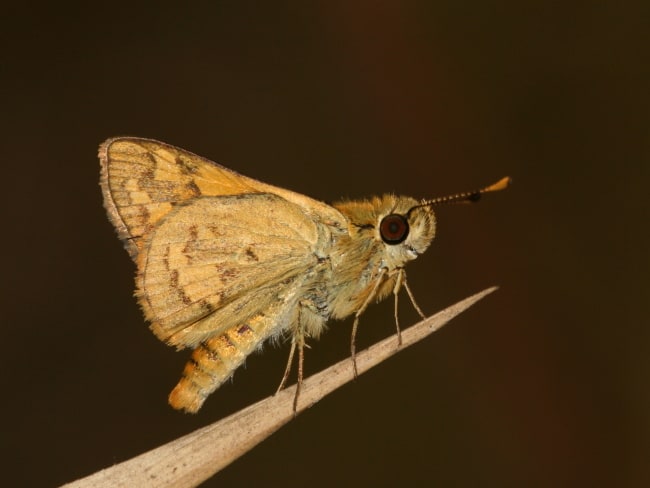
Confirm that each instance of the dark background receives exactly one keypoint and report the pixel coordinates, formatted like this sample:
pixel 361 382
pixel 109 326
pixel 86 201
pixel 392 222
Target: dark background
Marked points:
pixel 544 383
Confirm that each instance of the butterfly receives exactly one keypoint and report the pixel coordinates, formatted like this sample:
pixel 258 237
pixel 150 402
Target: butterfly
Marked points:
pixel 226 263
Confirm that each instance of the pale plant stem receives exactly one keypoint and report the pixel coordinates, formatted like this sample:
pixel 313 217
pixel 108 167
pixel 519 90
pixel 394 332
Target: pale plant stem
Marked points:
pixel 195 457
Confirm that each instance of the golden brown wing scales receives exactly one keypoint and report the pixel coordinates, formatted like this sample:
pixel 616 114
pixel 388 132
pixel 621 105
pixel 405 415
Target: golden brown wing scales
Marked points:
pixel 217 261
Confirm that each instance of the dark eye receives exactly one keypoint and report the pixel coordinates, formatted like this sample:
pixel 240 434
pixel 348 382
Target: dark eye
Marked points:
pixel 394 228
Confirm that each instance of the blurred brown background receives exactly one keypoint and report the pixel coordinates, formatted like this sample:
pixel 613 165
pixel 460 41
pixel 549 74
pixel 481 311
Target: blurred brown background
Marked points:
pixel 545 383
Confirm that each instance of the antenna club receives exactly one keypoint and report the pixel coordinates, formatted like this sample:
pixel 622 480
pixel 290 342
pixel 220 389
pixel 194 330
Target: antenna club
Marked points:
pixel 502 184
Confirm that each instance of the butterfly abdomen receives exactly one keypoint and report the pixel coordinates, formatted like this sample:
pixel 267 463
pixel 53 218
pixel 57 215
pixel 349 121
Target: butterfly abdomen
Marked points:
pixel 211 364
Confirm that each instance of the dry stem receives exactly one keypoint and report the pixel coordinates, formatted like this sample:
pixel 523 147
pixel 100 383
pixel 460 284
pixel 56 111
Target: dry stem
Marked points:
pixel 195 457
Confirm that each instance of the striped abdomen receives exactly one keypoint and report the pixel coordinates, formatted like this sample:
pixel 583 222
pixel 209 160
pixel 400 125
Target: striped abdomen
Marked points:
pixel 214 361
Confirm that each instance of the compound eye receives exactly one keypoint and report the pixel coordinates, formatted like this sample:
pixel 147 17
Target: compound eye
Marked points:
pixel 394 228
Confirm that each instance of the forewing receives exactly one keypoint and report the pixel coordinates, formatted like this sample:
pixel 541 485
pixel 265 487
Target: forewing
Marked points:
pixel 215 262
pixel 143 179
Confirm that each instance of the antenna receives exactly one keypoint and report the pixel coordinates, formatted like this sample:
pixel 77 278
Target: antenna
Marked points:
pixel 467 197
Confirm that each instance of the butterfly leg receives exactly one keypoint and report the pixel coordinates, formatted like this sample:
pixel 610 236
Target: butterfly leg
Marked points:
pixel 287 370
pixel 355 324
pixel 301 359
pixel 410 294
pixel 401 276
pixel 308 323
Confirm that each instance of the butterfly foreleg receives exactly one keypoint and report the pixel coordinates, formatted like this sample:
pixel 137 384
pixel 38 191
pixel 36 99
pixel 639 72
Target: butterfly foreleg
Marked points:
pixel 410 294
pixel 401 278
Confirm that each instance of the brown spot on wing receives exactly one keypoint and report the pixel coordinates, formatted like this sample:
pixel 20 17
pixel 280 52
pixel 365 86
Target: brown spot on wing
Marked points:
pixel 188 167
pixel 166 258
pixel 149 173
pixel 227 274
pixel 179 291
pixel 144 215
pixel 193 189
pixel 173 280
pixel 151 158
pixel 190 245
pixel 217 232
pixel 206 306
pixel 251 254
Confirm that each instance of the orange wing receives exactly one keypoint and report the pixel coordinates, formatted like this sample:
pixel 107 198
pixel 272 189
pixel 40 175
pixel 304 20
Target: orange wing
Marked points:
pixel 142 179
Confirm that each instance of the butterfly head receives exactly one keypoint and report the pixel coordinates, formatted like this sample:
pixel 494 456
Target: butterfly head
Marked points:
pixel 404 226
pixel 405 229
